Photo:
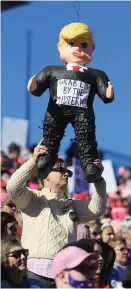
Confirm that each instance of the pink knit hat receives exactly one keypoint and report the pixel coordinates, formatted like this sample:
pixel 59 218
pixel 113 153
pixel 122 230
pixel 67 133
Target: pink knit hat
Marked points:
pixel 119 213
pixel 68 258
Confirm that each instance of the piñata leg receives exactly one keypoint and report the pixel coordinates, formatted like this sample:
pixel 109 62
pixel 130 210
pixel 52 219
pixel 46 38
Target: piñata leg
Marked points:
pixel 53 132
pixel 84 126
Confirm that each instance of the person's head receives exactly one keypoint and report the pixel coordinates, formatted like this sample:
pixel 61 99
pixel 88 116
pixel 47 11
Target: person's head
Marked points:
pixel 120 181
pixel 13 258
pixel 99 251
pixel 106 264
pixel 4 162
pixel 107 233
pixel 119 245
pixel 57 178
pixel 13 151
pixel 127 173
pixel 5 177
pixel 8 225
pixel 125 229
pixel 74 266
pixel 95 231
pixel 107 213
pixel 76 43
pixel 125 204
pixel 9 207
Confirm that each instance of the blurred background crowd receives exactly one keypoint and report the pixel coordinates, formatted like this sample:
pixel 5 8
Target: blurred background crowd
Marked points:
pixel 113 228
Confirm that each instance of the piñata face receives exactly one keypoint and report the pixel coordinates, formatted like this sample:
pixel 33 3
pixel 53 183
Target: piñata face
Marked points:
pixel 76 51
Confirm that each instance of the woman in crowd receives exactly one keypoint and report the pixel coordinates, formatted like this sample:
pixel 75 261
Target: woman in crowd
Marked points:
pixel 14 265
pixel 107 233
pixel 106 258
pixel 8 225
pixel 9 207
pixel 104 271
pixel 121 259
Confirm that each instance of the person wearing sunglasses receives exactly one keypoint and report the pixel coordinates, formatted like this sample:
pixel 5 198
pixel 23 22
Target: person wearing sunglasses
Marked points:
pixel 121 260
pixel 50 219
pixel 9 207
pixel 8 225
pixel 14 265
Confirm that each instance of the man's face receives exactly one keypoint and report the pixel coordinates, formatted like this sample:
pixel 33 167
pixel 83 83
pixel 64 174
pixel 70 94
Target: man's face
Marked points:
pixel 13 155
pixel 121 254
pixel 76 51
pixel 59 175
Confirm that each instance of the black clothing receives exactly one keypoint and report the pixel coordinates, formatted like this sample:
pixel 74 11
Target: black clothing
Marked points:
pixel 47 282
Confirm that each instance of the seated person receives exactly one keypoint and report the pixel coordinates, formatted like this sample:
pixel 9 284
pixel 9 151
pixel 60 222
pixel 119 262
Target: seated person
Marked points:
pixel 121 259
pixel 14 266
pixel 8 225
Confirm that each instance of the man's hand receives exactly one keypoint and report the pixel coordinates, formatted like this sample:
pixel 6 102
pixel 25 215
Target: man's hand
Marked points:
pixel 39 150
pixel 99 164
pixel 109 90
pixel 32 85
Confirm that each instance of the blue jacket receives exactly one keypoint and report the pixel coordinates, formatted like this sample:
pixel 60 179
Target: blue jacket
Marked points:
pixel 117 274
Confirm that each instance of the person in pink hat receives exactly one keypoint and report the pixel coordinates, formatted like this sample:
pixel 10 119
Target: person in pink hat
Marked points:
pixel 74 267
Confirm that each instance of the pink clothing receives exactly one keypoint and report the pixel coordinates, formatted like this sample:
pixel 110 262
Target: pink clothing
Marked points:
pixel 40 266
pixel 119 213
pixel 34 186
pixel 81 195
pixel 3 197
pixel 83 231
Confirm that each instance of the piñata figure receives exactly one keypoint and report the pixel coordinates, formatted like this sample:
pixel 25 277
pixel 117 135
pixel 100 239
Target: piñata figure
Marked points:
pixel 72 89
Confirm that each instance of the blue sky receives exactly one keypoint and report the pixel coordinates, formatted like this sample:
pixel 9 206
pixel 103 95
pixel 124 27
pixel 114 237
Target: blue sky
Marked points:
pixel 110 23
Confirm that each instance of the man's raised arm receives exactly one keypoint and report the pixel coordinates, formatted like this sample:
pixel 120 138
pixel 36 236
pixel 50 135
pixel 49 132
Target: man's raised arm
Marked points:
pixel 16 187
pixel 87 210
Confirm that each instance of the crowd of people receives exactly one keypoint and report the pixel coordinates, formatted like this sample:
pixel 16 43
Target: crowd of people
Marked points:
pixel 51 241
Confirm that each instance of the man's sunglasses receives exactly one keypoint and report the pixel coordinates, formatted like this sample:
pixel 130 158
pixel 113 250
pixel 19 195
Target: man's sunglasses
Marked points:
pixel 17 254
pixel 63 171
